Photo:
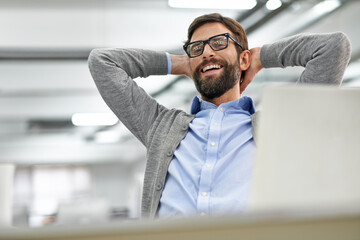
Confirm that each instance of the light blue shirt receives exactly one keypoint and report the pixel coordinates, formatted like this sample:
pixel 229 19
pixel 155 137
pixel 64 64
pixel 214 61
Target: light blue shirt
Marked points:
pixel 211 169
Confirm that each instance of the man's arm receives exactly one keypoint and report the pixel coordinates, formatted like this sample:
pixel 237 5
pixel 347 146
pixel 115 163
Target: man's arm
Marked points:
pixel 113 71
pixel 324 56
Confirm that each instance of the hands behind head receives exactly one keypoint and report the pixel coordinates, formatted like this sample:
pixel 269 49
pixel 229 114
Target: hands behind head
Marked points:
pixel 180 65
pixel 254 68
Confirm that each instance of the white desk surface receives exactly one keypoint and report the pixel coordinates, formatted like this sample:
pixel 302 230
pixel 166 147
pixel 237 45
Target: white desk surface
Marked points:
pixel 307 224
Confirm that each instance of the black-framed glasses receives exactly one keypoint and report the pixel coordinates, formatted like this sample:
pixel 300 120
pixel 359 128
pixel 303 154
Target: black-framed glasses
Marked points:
pixel 217 43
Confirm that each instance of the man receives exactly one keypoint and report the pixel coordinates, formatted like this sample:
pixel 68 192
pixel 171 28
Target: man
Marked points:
pixel 201 163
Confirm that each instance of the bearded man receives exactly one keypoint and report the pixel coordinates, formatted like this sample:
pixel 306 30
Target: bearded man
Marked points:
pixel 201 163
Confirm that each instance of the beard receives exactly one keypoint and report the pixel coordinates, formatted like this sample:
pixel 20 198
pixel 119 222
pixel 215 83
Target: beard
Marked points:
pixel 212 87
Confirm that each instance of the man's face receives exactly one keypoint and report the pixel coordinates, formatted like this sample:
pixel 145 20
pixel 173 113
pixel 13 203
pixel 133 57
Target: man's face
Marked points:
pixel 214 72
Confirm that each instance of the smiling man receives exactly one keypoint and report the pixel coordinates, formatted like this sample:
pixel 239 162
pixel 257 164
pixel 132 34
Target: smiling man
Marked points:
pixel 201 163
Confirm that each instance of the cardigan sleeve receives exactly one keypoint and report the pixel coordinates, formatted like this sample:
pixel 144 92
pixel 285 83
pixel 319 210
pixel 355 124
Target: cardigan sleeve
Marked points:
pixel 113 71
pixel 324 56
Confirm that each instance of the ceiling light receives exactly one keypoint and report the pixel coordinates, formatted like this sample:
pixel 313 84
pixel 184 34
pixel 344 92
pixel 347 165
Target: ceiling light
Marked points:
pixel 273 4
pixel 94 119
pixel 213 4
pixel 326 6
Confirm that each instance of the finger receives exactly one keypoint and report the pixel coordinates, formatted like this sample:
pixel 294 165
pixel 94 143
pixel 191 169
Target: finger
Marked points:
pixel 247 79
pixel 243 86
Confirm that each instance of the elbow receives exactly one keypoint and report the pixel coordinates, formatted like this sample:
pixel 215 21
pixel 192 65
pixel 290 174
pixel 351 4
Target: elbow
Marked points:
pixel 339 55
pixel 343 47
pixel 94 57
pixel 95 65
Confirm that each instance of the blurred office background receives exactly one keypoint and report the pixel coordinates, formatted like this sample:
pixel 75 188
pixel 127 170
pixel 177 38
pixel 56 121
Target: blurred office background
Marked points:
pixel 64 159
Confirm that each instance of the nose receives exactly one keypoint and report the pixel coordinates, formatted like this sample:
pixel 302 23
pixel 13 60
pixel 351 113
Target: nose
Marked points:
pixel 208 52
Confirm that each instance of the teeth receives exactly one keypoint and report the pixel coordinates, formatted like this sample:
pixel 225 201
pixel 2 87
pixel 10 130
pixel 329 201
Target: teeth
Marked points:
pixel 210 67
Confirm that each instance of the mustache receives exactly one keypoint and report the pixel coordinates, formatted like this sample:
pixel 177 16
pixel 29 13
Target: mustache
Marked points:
pixel 212 60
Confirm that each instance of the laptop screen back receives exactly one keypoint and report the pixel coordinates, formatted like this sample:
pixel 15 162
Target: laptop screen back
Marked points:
pixel 308 148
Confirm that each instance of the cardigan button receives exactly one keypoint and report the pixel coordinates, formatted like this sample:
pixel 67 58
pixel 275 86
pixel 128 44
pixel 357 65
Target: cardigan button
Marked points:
pixel 158 187
pixel 169 153
pixel 184 128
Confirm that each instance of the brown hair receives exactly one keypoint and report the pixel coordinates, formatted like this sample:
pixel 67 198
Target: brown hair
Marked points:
pixel 235 27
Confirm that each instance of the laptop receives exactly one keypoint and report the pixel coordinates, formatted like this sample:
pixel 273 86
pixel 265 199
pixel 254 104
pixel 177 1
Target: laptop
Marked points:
pixel 308 148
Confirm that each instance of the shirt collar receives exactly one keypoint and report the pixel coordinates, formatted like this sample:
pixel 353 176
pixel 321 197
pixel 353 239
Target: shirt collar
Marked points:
pixel 243 103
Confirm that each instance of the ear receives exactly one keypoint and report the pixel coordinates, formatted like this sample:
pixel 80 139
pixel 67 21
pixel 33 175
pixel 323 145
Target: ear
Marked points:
pixel 245 60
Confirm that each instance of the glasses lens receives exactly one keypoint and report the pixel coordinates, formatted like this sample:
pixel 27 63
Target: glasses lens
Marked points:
pixel 195 49
pixel 219 42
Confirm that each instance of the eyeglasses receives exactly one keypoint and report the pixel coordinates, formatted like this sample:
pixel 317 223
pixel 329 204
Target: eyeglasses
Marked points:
pixel 217 43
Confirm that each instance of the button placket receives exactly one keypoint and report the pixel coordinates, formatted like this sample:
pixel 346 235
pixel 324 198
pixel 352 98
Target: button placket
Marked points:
pixel 204 191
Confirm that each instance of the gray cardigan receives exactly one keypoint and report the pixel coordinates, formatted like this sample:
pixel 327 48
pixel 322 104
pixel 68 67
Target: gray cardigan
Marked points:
pixel 324 56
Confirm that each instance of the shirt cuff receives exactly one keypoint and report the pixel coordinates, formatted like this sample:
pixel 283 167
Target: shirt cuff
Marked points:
pixel 168 62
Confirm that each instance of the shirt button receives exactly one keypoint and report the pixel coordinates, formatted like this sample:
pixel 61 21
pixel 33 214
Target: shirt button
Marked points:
pixel 212 143
pixel 204 194
pixel 221 109
pixel 208 165
pixel 202 214
pixel 216 124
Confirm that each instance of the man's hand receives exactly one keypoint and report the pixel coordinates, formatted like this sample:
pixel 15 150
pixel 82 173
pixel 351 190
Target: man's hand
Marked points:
pixel 255 67
pixel 180 65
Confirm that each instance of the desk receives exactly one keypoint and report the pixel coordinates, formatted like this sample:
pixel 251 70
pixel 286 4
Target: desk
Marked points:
pixel 309 225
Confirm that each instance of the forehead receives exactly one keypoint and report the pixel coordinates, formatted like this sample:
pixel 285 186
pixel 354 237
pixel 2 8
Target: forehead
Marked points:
pixel 208 30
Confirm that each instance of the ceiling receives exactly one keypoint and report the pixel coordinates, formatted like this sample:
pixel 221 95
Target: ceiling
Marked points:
pixel 44 78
